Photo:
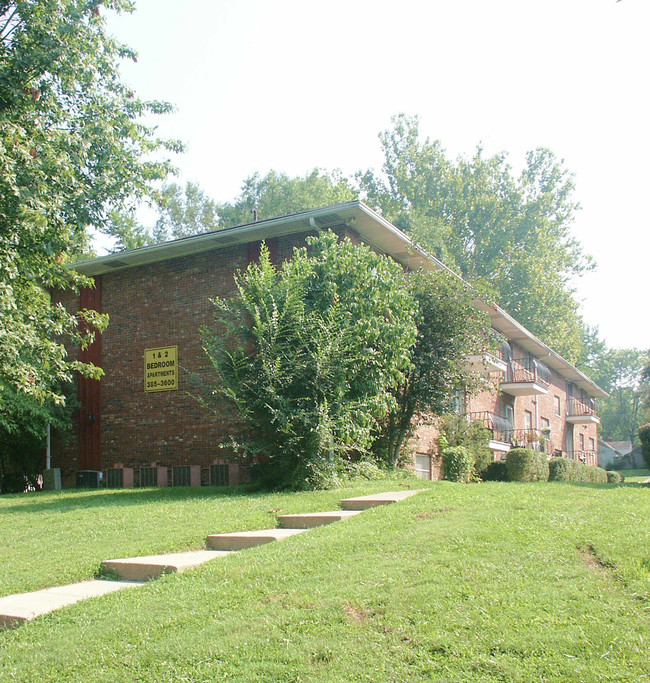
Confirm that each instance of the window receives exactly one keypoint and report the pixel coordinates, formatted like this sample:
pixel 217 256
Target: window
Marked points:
pixel 592 445
pixel 558 405
pixel 422 466
pixel 581 437
pixel 546 424
pixel 528 419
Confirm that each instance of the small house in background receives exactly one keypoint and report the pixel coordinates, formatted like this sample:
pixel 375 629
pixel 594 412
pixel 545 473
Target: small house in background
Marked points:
pixel 620 455
pixel 140 418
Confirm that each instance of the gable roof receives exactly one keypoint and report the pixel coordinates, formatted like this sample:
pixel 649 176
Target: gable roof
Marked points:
pixel 375 230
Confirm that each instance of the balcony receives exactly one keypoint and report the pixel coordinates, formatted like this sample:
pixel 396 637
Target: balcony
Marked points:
pixel 501 428
pixel 535 439
pixel 526 377
pixel 585 457
pixel 581 413
pixel 486 363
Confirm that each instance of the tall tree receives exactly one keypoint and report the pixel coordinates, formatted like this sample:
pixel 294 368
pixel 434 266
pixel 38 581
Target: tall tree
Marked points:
pixel 449 330
pixel 621 373
pixel 310 355
pixel 277 194
pixel 511 233
pixel 72 147
pixel 184 212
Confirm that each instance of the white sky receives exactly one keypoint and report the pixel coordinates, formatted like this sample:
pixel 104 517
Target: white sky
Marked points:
pixel 295 84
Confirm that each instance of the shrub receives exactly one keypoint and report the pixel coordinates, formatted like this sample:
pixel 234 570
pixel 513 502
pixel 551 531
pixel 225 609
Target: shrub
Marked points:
pixel 563 469
pixel 614 478
pixel 458 464
pixel 644 436
pixel 474 436
pixel 363 469
pixel 523 464
pixel 595 475
pixel 495 471
pixel 307 356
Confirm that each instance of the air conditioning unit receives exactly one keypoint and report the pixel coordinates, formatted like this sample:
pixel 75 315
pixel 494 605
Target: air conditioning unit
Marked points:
pixel 186 475
pixel 90 479
pixel 219 475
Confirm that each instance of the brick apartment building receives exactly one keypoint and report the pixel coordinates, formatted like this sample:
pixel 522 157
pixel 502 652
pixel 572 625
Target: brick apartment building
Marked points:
pixel 139 421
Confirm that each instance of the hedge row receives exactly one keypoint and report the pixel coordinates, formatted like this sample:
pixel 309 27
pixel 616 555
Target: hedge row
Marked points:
pixel 563 469
pixel 523 464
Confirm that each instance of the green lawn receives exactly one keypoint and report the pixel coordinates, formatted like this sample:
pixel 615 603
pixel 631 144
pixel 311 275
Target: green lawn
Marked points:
pixel 54 538
pixel 635 476
pixel 495 581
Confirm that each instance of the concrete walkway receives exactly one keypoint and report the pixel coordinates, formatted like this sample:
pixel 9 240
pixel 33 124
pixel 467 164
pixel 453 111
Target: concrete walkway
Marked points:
pixel 135 571
pixel 16 609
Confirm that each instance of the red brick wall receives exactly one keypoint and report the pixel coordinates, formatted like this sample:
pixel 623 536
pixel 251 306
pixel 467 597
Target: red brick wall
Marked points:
pixel 540 407
pixel 165 304
pixel 161 304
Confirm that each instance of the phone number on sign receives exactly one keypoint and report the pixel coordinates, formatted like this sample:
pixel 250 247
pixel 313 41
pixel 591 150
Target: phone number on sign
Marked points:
pixel 154 384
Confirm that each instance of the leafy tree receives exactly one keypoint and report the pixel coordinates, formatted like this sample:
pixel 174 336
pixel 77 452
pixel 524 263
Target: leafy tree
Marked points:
pixel 620 373
pixel 23 425
pixel 456 430
pixel 277 194
pixel 308 355
pixel 181 213
pixel 511 233
pixel 644 438
pixel 72 147
pixel 449 329
pixel 184 212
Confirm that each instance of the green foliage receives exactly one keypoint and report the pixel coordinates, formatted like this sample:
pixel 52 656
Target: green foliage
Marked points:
pixel 615 478
pixel 495 471
pixel 72 148
pixel 620 372
pixel 458 464
pixel 456 430
pixel 23 425
pixel 308 356
pixel 449 329
pixel 644 438
pixel 184 212
pixel 564 469
pixel 523 464
pixel 360 470
pixel 511 233
pixel 277 194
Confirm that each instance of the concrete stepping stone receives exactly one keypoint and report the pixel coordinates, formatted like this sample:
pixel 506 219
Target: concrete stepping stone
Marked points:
pixel 249 539
pixel 16 609
pixel 312 519
pixel 365 502
pixel 154 566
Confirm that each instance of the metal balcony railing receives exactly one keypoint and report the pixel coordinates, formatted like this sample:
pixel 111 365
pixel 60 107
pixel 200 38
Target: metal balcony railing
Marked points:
pixel 585 457
pixel 528 370
pixel 575 406
pixel 535 439
pixel 504 352
pixel 499 425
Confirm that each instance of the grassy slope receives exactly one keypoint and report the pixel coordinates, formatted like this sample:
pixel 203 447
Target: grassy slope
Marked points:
pixel 636 476
pixel 458 583
pixel 51 539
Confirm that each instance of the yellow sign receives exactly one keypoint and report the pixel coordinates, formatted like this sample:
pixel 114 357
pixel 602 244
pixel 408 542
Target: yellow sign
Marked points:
pixel 161 369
